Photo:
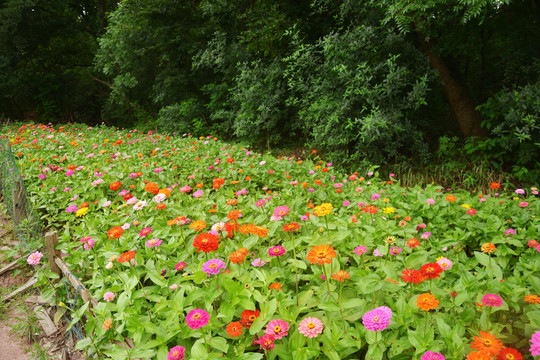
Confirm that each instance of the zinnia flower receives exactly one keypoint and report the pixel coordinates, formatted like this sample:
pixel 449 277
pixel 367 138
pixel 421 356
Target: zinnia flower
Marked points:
pixel 108 296
pixel 197 318
pixel 276 251
pixel 492 300
pixel 266 342
pixel 177 353
pixel 431 270
pixel 444 263
pixel 248 317
pixel 535 344
pixel 430 355
pixel 341 275
pixel 127 256
pixel 321 254
pixel 278 328
pixel 427 302
pixel 154 243
pixel 206 242
pixel 234 329
pixel 412 276
pixel 377 319
pixel 359 250
pixel 509 354
pixel 213 266
pixel 310 327
pixel 34 258
pixel 487 343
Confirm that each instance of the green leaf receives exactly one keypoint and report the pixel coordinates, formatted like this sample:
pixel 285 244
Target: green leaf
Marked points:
pixel 220 344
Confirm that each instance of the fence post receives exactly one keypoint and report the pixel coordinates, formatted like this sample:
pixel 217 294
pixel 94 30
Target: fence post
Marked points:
pixel 51 240
pixel 19 212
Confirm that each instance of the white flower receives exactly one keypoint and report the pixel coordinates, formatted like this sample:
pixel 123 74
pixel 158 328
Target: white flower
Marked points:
pixel 109 266
pixel 138 206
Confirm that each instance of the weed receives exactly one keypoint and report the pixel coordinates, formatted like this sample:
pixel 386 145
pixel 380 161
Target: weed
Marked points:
pixel 28 325
pixel 40 352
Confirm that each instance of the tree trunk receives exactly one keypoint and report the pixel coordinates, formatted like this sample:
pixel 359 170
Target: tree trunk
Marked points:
pixel 461 102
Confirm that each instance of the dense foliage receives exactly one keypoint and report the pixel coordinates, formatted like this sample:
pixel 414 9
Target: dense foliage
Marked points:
pixel 200 249
pixel 363 81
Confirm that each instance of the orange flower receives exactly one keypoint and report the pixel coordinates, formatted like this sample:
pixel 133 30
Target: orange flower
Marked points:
pixel 197 225
pixel 248 317
pixel 234 329
pixel 487 343
pixel 450 198
pixel 488 248
pixel 533 299
pixel 165 191
pixel 115 232
pixel 152 187
pixel 172 222
pixel 321 254
pixel 476 355
pixel 115 185
pixel 341 275
pixel 232 202
pixel 427 302
pixel 127 256
pixel 234 215
pixel 161 206
pixel 238 256
pixel 206 242
pixel 275 286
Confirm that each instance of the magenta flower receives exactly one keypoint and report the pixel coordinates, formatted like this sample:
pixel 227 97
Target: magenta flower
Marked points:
pixel 197 318
pixel 177 353
pixel 430 355
pixel 509 232
pixel 42 176
pixel 145 231
pixel 198 193
pixel 212 267
pixel 72 208
pixel 394 250
pixel 375 196
pixel 377 319
pixel 276 251
pixel 180 266
pixel 266 342
pixel 492 300
pixel 359 250
pixel 154 243
pixel 310 327
pixel 535 344
pixel 89 244
pixel 258 262
pixel 34 258
pixel 278 328
pixel 260 202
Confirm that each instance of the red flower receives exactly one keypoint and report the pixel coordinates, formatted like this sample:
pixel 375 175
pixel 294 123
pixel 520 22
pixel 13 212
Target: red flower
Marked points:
pixel 509 353
pixel 115 185
pixel 291 227
pixel 115 232
pixel 248 317
pixel 431 270
pixel 231 227
pixel 412 276
pixel 206 242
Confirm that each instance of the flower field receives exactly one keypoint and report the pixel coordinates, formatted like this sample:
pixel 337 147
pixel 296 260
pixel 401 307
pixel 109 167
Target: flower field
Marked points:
pixel 204 250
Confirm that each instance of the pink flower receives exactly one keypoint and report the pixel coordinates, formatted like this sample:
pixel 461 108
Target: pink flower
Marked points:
pixel 492 300
pixel 198 193
pixel 197 318
pixel 108 296
pixel 154 243
pixel 42 176
pixel 180 266
pixel 276 251
pixel 430 201
pixel 89 244
pixel 34 258
pixel 258 262
pixel 395 250
pixel 346 203
pixel 260 202
pixel 509 232
pixel 375 196
pixel 281 211
pixel 471 212
pixel 523 204
pixel 377 319
pixel 430 355
pixel 359 250
pixel 173 287
pixel 177 353
pixel 310 327
pixel 445 264
pixel 278 328
pixel 535 341
pixel 212 267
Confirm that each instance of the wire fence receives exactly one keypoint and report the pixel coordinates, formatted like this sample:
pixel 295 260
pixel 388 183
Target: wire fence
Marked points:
pixel 28 229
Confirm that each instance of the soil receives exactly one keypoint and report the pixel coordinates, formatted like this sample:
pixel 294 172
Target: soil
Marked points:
pixel 10 347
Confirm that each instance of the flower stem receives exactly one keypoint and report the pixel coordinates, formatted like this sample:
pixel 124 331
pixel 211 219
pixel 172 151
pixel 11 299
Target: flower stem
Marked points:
pixel 295 268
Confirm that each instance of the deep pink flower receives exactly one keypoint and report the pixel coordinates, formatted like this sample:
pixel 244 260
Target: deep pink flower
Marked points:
pixel 377 319
pixel 266 342
pixel 145 231
pixel 197 318
pixel 276 251
pixel 535 344
pixel 492 300
pixel 177 353
pixel 430 355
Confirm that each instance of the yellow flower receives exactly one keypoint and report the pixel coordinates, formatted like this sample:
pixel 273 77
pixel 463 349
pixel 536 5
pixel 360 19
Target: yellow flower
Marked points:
pixel 386 200
pixel 388 210
pixel 515 198
pixel 81 212
pixel 466 206
pixel 323 209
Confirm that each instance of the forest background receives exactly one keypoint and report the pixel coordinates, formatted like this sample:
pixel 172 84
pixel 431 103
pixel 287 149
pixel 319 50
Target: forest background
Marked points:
pixel 433 90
